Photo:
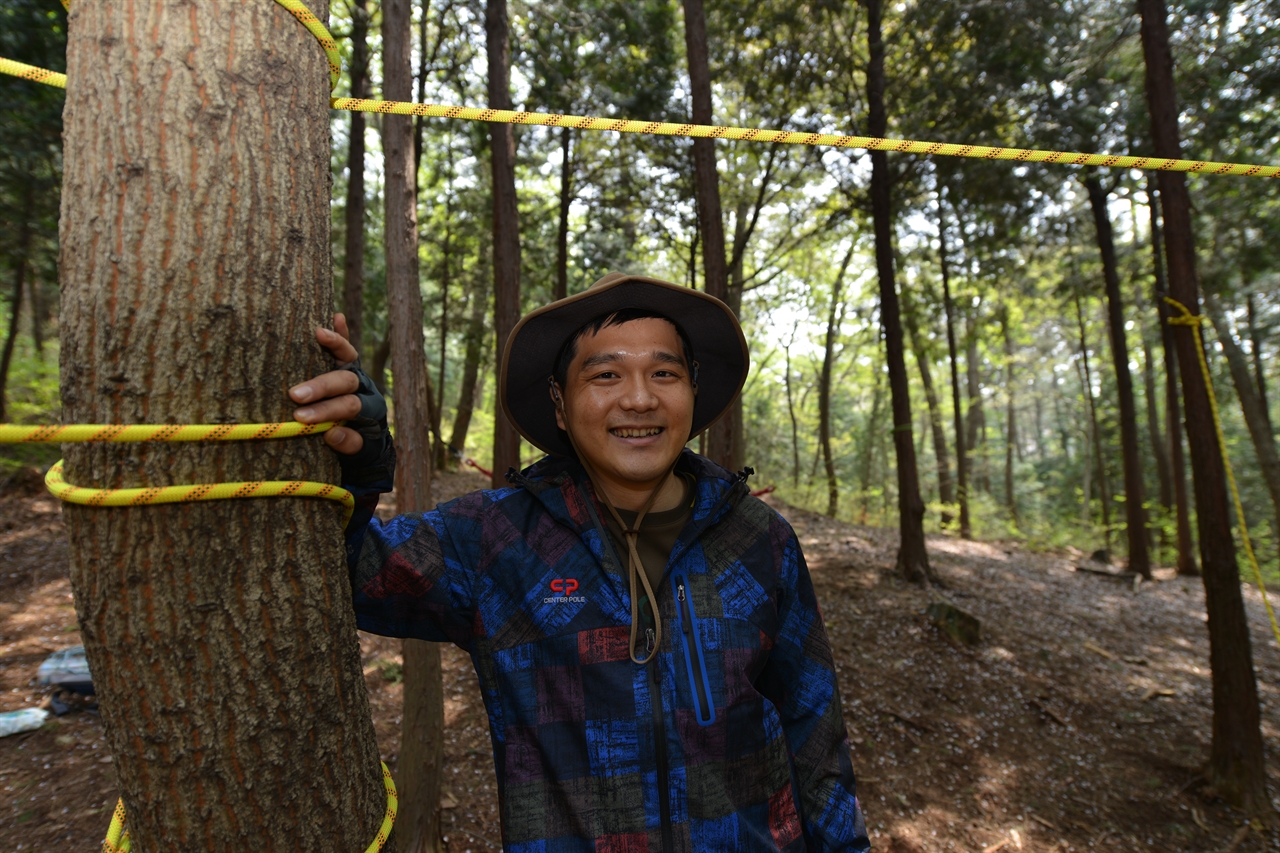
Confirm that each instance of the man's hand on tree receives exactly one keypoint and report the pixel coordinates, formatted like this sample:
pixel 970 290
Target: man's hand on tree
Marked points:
pixel 346 394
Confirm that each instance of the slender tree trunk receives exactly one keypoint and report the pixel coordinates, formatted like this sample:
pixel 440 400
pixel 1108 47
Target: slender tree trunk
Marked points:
pixel 870 436
pixel 37 317
pixel 1172 399
pixel 566 199
pixel 913 558
pixel 506 226
pixel 946 492
pixel 720 443
pixel 1011 424
pixel 962 462
pixel 1255 346
pixel 824 386
pixel 976 421
pixel 470 369
pixel 1255 418
pixel 353 266
pixel 795 429
pixel 421 733
pixel 221 635
pixel 1236 758
pixel 1104 490
pixel 381 356
pixel 1156 436
pixel 15 301
pixel 1134 492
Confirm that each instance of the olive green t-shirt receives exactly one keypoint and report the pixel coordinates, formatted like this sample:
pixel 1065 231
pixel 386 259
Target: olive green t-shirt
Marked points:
pixel 657 536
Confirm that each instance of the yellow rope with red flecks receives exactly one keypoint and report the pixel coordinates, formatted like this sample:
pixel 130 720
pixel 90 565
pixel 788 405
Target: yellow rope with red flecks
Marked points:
pixel 12 434
pixel 1194 321
pixel 707 131
pixel 118 841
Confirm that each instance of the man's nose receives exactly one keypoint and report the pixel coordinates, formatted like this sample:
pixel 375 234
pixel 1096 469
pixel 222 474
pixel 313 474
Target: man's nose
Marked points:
pixel 638 397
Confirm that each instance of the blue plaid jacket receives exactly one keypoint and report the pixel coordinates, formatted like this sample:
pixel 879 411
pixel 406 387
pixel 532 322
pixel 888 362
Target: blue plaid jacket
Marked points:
pixel 594 752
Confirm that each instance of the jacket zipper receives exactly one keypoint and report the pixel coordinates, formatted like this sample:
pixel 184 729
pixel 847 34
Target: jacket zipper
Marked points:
pixel 660 748
pixel 704 703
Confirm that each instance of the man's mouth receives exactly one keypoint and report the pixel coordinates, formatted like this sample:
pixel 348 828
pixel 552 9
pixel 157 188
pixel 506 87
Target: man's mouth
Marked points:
pixel 635 432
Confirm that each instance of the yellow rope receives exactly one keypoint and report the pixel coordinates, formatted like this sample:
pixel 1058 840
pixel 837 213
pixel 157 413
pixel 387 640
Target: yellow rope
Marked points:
pixel 1194 321
pixel 118 841
pixel 707 131
pixel 61 489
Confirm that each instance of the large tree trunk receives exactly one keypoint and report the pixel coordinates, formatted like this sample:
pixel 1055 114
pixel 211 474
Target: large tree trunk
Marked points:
pixel 913 559
pixel 421 732
pixel 962 462
pixel 353 266
pixel 720 444
pixel 15 302
pixel 470 368
pixel 1255 418
pixel 946 491
pixel 1235 764
pixel 1134 493
pixel 506 225
pixel 1104 486
pixel 824 386
pixel 1011 424
pixel 194 270
pixel 1173 405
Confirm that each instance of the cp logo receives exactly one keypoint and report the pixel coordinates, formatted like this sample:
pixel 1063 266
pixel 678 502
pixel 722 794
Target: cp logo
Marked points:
pixel 564 586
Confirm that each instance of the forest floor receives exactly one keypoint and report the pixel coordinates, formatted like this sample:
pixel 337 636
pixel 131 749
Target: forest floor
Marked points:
pixel 1080 722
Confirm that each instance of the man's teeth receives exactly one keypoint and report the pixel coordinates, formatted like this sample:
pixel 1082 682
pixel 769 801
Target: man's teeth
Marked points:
pixel 637 433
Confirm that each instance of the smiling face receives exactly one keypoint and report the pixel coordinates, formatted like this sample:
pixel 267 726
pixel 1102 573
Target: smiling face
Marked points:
pixel 628 401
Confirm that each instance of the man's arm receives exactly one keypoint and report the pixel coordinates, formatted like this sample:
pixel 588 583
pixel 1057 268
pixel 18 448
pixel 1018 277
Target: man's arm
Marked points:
pixel 404 582
pixel 800 681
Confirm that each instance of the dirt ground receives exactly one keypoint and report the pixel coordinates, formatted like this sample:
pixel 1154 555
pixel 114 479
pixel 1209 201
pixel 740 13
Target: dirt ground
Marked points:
pixel 1080 722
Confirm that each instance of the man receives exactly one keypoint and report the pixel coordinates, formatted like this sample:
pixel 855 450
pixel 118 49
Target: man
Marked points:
pixel 645 632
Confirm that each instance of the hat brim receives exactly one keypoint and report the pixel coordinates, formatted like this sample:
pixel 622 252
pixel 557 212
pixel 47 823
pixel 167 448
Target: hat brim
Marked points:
pixel 529 357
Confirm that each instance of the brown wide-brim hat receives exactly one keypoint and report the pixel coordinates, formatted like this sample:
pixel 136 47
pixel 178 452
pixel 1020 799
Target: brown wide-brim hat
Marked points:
pixel 529 358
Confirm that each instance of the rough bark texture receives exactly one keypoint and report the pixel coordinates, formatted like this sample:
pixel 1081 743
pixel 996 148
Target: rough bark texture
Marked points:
pixel 1011 421
pixel 1173 404
pixel 566 200
pixel 506 226
pixel 946 491
pixel 715 271
pixel 194 270
pixel 962 463
pixel 824 388
pixel 418 825
pixel 1235 761
pixel 353 266
pixel 1255 417
pixel 913 559
pixel 1131 453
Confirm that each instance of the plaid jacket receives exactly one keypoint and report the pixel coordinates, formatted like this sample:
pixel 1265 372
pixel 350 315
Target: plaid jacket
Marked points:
pixel 596 753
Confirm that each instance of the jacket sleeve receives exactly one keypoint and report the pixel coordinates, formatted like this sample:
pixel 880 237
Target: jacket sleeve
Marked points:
pixel 406 578
pixel 800 680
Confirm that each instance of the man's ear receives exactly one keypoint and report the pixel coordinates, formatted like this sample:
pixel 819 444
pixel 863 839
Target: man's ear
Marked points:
pixel 556 400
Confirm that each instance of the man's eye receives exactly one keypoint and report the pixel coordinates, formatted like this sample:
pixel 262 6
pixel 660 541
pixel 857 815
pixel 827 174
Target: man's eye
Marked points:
pixel 608 374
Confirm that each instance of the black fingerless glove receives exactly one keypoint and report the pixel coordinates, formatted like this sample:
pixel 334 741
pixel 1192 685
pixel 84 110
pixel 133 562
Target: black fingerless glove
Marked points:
pixel 375 462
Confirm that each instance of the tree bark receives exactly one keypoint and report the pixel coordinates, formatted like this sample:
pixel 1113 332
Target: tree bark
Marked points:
pixel 913 558
pixel 1173 405
pixel 353 266
pixel 1255 418
pixel 470 369
pixel 1236 758
pixel 15 301
pixel 1131 453
pixel 946 491
pixel 194 271
pixel 791 412
pixel 1104 487
pixel 506 225
pixel 1011 424
pixel 720 437
pixel 421 732
pixel 1255 346
pixel 962 463
pixel 1159 446
pixel 824 387
pixel 566 199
